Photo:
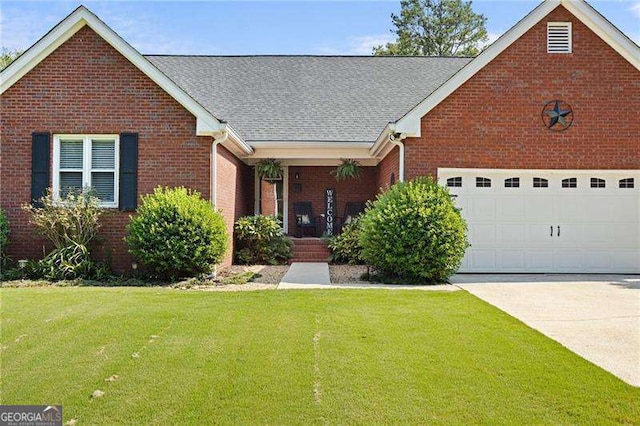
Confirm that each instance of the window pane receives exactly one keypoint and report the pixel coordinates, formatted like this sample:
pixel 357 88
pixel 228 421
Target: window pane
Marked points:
pixel 103 183
pixel 71 154
pixel 70 182
pixel 626 183
pixel 512 182
pixel 455 182
pixel 540 182
pixel 103 154
pixel 483 182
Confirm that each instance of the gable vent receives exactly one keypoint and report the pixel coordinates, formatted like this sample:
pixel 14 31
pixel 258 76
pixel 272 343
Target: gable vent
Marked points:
pixel 558 37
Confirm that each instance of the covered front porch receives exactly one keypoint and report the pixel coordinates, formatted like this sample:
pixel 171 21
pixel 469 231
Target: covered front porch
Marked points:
pixel 310 201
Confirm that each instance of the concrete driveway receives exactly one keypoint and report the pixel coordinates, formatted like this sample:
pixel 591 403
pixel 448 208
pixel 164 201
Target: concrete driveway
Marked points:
pixel 595 316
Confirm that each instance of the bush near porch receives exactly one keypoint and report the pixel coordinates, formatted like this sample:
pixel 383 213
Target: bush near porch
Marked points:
pixel 414 232
pixel 261 241
pixel 177 233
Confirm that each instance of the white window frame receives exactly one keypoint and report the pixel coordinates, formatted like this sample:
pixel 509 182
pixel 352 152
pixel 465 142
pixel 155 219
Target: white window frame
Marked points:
pixel 86 164
pixel 570 28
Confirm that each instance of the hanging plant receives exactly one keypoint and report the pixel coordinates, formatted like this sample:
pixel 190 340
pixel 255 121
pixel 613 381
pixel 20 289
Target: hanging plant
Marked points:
pixel 269 169
pixel 348 169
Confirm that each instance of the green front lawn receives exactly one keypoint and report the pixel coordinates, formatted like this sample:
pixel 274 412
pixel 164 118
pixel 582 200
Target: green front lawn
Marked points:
pixel 285 357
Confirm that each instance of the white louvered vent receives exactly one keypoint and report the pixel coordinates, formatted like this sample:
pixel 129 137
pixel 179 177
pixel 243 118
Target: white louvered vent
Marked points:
pixel 558 37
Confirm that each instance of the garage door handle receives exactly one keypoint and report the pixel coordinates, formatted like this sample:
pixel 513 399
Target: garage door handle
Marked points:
pixel 558 230
pixel 551 231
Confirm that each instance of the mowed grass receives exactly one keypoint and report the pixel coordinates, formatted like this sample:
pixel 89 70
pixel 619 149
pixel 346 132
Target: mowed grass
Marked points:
pixel 293 357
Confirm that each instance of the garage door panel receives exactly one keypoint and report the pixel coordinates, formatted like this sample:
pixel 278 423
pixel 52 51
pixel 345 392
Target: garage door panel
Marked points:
pixel 483 260
pixel 568 260
pixel 511 235
pixel 538 209
pixel 626 261
pixel 511 260
pixel 483 208
pixel 539 261
pixel 516 229
pixel 483 235
pixel 510 208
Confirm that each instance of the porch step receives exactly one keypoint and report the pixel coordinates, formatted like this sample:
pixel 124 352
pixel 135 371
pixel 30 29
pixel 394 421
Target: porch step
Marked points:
pixel 309 250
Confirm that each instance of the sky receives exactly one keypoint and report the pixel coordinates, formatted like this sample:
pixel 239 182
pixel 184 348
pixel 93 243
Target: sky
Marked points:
pixel 261 27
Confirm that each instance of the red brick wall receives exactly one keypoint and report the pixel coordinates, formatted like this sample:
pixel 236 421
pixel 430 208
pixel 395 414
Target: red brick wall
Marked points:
pixel 494 119
pixel 85 86
pixel 315 180
pixel 388 166
pixel 234 187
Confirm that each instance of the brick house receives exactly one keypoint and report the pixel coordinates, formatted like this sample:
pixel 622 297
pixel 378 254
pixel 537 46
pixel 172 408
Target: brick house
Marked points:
pixel 538 137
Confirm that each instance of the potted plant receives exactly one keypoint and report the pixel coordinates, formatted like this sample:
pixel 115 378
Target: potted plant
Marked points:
pixel 348 169
pixel 269 169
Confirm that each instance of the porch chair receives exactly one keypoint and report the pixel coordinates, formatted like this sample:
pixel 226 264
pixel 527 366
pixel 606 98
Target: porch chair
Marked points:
pixel 305 218
pixel 351 211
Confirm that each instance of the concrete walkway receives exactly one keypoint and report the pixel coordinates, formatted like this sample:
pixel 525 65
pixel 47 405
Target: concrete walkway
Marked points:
pixel 595 316
pixel 308 275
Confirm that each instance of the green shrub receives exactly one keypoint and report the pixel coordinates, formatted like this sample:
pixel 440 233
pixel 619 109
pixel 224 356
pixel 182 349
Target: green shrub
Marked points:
pixel 71 225
pixel 4 231
pixel 4 240
pixel 177 233
pixel 68 263
pixel 345 247
pixel 414 232
pixel 73 220
pixel 260 240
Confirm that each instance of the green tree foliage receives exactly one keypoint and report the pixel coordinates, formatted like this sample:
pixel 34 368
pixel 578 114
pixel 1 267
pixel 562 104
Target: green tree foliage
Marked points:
pixel 177 233
pixel 7 56
pixel 414 232
pixel 436 28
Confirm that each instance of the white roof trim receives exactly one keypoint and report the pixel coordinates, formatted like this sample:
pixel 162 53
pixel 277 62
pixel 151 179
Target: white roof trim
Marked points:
pixel 206 123
pixel 235 143
pixel 410 122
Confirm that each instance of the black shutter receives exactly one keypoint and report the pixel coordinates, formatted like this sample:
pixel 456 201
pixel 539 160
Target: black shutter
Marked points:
pixel 128 171
pixel 40 168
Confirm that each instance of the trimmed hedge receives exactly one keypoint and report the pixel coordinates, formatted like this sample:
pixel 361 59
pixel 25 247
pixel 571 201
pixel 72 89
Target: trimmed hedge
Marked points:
pixel 177 233
pixel 414 232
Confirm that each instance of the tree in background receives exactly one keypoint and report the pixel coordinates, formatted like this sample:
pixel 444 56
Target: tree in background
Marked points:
pixel 436 28
pixel 7 56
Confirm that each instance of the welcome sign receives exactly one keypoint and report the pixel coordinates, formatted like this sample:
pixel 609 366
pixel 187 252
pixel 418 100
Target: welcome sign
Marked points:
pixel 329 211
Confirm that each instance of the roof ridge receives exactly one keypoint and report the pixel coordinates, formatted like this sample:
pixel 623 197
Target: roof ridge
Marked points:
pixel 303 56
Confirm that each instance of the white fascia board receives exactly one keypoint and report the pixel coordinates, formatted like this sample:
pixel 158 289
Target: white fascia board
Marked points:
pixel 382 140
pixel 410 123
pixel 206 123
pixel 367 162
pixel 310 144
pixel 235 143
pixel 312 151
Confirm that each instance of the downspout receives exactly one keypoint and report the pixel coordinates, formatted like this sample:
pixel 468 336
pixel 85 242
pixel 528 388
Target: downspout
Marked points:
pixel 214 178
pixel 396 139
pixel 214 165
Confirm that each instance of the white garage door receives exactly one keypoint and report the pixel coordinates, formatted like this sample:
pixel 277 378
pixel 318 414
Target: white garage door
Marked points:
pixel 549 220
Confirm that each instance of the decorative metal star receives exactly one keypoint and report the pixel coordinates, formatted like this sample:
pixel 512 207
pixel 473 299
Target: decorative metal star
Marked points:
pixel 557 115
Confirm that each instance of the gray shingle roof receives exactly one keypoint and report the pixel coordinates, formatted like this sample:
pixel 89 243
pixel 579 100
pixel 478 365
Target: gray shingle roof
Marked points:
pixel 308 98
